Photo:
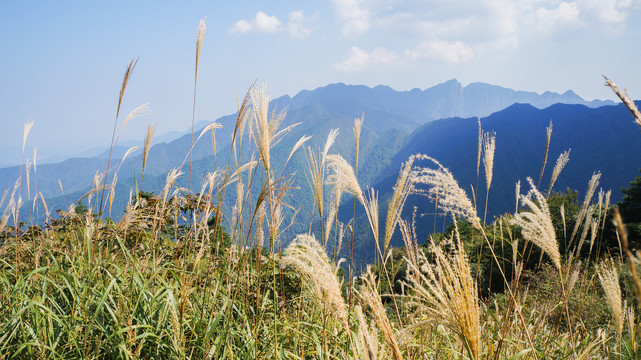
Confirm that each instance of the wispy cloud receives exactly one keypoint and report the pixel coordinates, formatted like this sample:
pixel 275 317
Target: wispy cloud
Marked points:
pixel 458 31
pixel 360 60
pixel 299 25
pixel 442 51
pixel 551 20
pixel 260 23
pixel 607 15
pixel 353 14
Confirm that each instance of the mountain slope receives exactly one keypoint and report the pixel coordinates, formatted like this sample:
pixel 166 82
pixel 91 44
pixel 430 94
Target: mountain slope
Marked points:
pixel 384 109
pixel 603 139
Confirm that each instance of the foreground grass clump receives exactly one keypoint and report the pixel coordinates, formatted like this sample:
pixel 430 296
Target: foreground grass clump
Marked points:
pixel 199 274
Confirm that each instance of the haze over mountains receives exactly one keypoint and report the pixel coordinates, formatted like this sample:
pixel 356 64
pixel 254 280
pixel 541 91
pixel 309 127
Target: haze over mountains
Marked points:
pixel 384 107
pixel 397 124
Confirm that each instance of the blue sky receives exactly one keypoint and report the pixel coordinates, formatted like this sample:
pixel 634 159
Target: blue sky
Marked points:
pixel 62 62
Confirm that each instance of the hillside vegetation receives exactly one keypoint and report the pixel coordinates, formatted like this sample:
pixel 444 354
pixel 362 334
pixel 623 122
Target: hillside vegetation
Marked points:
pixel 208 271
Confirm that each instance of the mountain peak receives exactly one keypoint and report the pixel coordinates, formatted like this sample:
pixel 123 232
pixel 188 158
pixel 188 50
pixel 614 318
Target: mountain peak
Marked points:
pixel 450 83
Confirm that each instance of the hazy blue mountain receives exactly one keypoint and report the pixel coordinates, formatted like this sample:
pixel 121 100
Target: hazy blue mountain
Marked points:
pixel 604 139
pixel 390 116
pixel 449 99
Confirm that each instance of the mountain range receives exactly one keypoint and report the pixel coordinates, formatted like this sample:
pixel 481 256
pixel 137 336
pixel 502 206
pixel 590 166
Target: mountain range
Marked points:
pixel 384 108
pixel 441 121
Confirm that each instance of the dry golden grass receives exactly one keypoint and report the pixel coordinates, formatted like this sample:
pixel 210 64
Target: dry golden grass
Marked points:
pixel 309 259
pixel 369 296
pixel 444 291
pixel 609 278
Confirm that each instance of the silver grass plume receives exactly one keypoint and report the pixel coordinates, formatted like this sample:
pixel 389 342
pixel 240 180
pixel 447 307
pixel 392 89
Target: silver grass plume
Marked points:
pixel 260 232
pixel 27 128
pixel 518 194
pixel 172 176
pixel 592 185
pixel 536 224
pixel 358 126
pixel 445 290
pixel 609 277
pixel 489 145
pixel 368 342
pixel 593 233
pixel 558 167
pixel 442 186
pixel 626 99
pixel 371 210
pixel 586 226
pixel 303 139
pixel 141 110
pixel 335 201
pixel 34 160
pixel 149 135
pixel 369 297
pixel 27 172
pixel 547 149
pixel 342 175
pixel 266 132
pixel 562 211
pixel 403 188
pixel 310 260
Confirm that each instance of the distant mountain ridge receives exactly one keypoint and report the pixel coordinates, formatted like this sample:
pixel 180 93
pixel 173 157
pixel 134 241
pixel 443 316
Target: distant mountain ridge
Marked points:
pixel 448 99
pixel 603 139
pixel 390 116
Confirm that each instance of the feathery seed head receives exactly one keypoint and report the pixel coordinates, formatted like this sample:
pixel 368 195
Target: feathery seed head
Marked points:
pixel 371 210
pixel 260 233
pixel 309 259
pixel 536 224
pixel 402 189
pixel 489 145
pixel 358 125
pixel 141 110
pixel 342 175
pixel 626 99
pixel 369 297
pixel 27 128
pixel 592 185
pixel 303 139
pixel 199 44
pixel 34 160
pixel 518 194
pixel 169 182
pixel 266 132
pixel 442 186
pixel 609 277
pixel 558 167
pixel 446 290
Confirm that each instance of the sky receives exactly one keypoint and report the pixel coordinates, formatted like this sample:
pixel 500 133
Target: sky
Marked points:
pixel 62 62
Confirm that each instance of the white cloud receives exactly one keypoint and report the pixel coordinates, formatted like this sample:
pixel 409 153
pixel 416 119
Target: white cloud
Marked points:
pixel 456 31
pixel 442 51
pixel 241 26
pixel 552 17
pixel 607 11
pixel 359 59
pixel 298 24
pixel 354 16
pixel 261 23
pixel 564 15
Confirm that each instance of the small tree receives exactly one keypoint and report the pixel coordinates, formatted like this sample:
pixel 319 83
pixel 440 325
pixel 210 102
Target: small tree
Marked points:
pixel 630 208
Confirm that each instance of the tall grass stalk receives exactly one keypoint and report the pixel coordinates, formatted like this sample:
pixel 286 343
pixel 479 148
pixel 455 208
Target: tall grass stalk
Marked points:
pixel 125 80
